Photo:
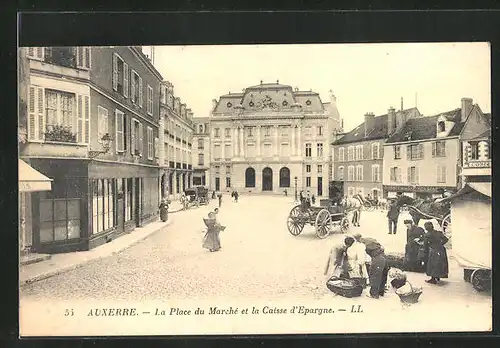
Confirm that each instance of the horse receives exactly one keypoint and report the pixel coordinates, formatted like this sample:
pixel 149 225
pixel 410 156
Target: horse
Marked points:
pixel 383 204
pixel 353 204
pixel 424 209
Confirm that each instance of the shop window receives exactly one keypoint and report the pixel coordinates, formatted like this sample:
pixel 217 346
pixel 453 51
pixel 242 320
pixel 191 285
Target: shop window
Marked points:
pixel 59 219
pixel 103 205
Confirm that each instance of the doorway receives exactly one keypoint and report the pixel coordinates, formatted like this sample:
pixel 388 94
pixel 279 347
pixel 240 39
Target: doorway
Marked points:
pixel 320 186
pixel 267 179
pixel 217 184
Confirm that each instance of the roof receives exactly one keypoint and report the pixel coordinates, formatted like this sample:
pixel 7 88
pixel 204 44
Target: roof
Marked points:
pixel 269 86
pixel 483 188
pixel 379 130
pixel 422 128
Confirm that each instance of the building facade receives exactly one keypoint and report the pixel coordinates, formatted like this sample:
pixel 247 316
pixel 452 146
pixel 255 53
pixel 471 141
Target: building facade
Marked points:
pixel 201 151
pixel 358 154
pixel 476 144
pixel 177 143
pixel 425 156
pixel 80 98
pixel 271 138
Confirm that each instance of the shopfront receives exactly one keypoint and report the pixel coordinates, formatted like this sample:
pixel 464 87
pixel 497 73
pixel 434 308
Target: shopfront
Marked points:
pixel 424 192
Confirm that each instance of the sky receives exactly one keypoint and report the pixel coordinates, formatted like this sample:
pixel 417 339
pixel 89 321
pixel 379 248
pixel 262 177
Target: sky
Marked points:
pixel 363 77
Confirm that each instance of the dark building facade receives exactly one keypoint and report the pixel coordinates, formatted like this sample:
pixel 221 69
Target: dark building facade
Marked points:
pixel 78 99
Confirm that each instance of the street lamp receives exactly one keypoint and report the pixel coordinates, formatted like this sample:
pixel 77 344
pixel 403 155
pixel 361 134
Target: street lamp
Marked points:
pixel 105 141
pixel 295 188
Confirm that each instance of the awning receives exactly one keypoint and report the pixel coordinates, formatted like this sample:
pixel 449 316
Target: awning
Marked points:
pixel 481 187
pixel 31 180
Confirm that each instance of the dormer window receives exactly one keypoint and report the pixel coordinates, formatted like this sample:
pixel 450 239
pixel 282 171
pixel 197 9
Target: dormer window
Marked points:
pixel 441 126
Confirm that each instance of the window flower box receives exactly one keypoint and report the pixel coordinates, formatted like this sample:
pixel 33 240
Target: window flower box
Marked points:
pixel 60 133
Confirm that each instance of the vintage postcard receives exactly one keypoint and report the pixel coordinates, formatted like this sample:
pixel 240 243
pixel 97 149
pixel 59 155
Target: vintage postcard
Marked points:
pixel 255 189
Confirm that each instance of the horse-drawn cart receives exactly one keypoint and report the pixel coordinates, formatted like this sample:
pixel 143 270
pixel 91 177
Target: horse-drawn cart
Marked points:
pixel 323 218
pixel 195 196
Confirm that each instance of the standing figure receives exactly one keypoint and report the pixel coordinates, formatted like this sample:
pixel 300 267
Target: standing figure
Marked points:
pixel 286 193
pixel 392 217
pixel 163 210
pixel 357 259
pixel 337 264
pixel 378 270
pixel 301 196
pixel 313 199
pixel 437 262
pixel 213 195
pixel 236 196
pixel 414 255
pixel 220 199
pixel 211 240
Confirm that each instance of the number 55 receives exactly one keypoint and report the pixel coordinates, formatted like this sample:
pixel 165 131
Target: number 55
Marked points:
pixel 68 312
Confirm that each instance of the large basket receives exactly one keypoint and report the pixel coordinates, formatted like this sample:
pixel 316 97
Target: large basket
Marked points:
pixel 411 297
pixel 344 287
pixel 396 260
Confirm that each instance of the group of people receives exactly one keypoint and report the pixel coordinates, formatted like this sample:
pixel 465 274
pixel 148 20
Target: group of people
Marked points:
pixel 235 195
pixel 307 198
pixel 364 258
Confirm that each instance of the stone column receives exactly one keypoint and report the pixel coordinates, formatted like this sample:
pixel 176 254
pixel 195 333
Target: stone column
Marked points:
pixel 242 141
pixel 292 145
pixel 276 140
pixel 257 145
pixel 235 142
pixel 299 141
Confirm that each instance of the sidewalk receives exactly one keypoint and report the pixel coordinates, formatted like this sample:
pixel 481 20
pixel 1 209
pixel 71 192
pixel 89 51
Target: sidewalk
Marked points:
pixel 60 263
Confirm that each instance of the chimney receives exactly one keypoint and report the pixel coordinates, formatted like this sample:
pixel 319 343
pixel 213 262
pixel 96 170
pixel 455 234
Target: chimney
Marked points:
pixel 214 104
pixel 391 120
pixel 369 122
pixel 402 104
pixel 466 108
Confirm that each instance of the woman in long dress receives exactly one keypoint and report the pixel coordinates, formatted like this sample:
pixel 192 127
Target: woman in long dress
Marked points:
pixel 337 264
pixel 437 263
pixel 211 241
pixel 414 255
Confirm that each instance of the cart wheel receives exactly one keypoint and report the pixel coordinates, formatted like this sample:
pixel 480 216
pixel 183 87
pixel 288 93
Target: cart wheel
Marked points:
pixel 296 221
pixel 344 224
pixel 323 223
pixel 368 206
pixel 481 280
pixel 446 228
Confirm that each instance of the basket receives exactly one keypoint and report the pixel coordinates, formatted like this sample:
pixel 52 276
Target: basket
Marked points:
pixel 344 287
pixel 210 223
pixel 396 260
pixel 411 297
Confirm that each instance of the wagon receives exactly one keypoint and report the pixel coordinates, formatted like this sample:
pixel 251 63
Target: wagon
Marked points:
pixel 323 218
pixel 195 196
pixel 472 233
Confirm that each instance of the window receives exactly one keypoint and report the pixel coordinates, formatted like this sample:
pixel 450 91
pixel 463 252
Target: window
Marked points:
pixel 341 173
pixel 395 174
pixel 359 152
pixel 319 130
pixel 228 132
pixel 308 181
pixel 320 169
pixel 217 169
pixel 201 159
pixel 341 154
pixel 308 168
pixel 375 151
pixel 227 151
pixel 217 152
pixel 319 149
pixel 350 173
pixel 228 169
pixel 308 130
pixel 120 134
pixel 441 126
pixel 415 151
pixel 150 100
pixel 136 138
pixel 284 131
pixel 200 128
pixel 201 144
pixel 71 57
pixel 136 88
pixel 216 132
pixel 59 219
pixel 359 173
pixel 308 150
pixel 60 107
pixel 441 174
pixel 350 153
pixel 228 181
pixel 150 144
pixel 397 151
pixel 474 150
pixel 375 173
pixel 439 149
pixel 267 131
pixel 120 75
pixel 129 198
pixel 103 195
pixel 412 175
pixel 102 121
pixel 249 131
pixel 250 177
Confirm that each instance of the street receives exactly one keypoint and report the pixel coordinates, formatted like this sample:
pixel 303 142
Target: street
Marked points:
pixel 259 260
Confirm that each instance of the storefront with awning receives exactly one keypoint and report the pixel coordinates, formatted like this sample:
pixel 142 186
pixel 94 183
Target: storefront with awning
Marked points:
pixel 30 180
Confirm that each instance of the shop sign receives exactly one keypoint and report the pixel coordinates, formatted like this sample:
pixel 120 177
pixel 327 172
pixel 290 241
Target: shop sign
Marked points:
pixel 407 188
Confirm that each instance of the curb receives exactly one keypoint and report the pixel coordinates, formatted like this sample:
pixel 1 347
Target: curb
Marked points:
pixel 55 272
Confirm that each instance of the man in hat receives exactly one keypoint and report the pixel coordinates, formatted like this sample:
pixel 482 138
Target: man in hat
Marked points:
pixel 377 273
pixel 392 216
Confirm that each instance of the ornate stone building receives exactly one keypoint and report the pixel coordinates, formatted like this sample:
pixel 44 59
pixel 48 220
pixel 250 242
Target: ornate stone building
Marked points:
pixel 176 134
pixel 270 138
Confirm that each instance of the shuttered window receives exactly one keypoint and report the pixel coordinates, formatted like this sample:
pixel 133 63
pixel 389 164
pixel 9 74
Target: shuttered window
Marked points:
pixel 126 76
pixel 150 100
pixel 412 175
pixel 83 57
pixel 415 151
pixel 157 148
pixel 441 174
pixel 102 121
pixel 37 53
pixel 341 154
pixel 120 131
pixel 36 113
pixel 140 92
pixel 150 143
